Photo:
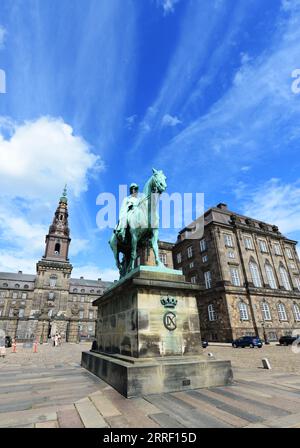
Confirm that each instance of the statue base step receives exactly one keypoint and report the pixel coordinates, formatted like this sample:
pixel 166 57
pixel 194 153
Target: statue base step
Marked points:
pixel 134 377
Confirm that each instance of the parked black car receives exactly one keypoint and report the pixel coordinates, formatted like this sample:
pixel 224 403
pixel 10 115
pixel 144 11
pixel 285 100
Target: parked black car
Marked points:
pixel 204 343
pixel 287 340
pixel 247 341
pixel 8 341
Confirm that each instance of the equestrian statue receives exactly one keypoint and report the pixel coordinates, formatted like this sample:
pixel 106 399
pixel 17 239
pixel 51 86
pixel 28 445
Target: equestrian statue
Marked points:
pixel 138 223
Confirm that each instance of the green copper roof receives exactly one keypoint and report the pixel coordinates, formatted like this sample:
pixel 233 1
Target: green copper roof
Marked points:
pixel 64 196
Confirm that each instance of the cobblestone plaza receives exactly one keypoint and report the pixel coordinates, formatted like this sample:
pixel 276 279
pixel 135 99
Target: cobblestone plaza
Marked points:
pixel 49 389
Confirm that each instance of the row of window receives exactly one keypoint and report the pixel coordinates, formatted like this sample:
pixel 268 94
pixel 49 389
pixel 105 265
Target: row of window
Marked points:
pixel 17 285
pixel 248 242
pixel 236 281
pixel 265 309
pixel 256 279
pixel 21 313
pixel 83 299
pixel 15 295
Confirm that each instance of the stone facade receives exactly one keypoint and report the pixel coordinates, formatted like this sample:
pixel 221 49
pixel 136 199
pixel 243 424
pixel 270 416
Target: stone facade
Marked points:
pixel 31 306
pixel 249 273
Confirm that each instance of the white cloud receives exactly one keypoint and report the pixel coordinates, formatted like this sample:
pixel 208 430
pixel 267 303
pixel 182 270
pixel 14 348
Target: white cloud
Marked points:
pixel 245 168
pixel 3 33
pixel 93 272
pixel 78 245
pixel 130 121
pixel 36 159
pixel 41 156
pixel 169 120
pixel 10 262
pixel 274 202
pixel 168 5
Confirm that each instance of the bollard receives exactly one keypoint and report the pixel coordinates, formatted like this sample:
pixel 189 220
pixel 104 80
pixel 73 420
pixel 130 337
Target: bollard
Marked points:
pixel 210 354
pixel 35 345
pixel 266 364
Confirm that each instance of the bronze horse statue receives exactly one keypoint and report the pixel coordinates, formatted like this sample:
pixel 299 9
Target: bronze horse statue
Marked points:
pixel 142 225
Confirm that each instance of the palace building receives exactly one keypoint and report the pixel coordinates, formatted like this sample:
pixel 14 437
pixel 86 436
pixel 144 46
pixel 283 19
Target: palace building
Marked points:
pixel 32 305
pixel 249 273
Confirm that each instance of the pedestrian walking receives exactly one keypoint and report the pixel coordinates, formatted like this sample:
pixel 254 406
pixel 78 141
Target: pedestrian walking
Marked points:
pixel 56 340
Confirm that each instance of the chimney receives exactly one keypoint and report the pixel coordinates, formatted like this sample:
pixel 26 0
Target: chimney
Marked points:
pixel 222 206
pixel 20 272
pixel 99 279
pixel 81 278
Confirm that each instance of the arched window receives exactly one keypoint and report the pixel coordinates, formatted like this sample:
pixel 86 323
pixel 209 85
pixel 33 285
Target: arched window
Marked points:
pixel 284 278
pixel 211 312
pixel 17 285
pixel 296 310
pixel 281 311
pixel 53 280
pixel 57 248
pixel 243 309
pixel 255 274
pixel 265 311
pixel 270 276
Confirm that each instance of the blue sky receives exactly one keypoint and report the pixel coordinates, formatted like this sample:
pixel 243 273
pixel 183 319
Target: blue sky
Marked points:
pixel 99 91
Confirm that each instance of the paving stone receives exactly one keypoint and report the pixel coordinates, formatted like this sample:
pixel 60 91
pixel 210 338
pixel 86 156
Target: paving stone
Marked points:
pixel 213 410
pixel 48 424
pixel 185 414
pixel 89 414
pixel 235 410
pixel 269 409
pixel 289 421
pixel 165 421
pixel 118 421
pixel 69 418
pixel 104 406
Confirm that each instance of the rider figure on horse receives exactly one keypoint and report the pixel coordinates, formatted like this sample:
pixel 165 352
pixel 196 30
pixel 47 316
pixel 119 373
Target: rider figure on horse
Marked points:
pixel 128 205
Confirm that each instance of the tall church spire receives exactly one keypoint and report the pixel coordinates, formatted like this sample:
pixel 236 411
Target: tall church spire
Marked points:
pixel 58 238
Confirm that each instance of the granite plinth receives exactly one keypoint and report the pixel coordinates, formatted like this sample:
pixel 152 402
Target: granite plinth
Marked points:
pixel 148 336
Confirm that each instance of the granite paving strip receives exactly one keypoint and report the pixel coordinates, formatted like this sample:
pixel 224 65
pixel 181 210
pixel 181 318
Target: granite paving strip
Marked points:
pixel 279 402
pixel 104 406
pixel 126 406
pixel 144 405
pixel 268 408
pixel 186 414
pixel 69 418
pixel 89 415
pixel 166 421
pixel 220 404
pixel 212 410
pixel 273 389
pixel 251 407
pixel 27 417
pixel 118 421
pixel 48 424
pixel 288 421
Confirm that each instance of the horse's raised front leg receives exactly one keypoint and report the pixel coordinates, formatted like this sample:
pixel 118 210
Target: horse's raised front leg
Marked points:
pixel 154 242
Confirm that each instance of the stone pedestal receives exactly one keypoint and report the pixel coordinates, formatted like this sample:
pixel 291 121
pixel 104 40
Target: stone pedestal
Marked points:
pixel 148 336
